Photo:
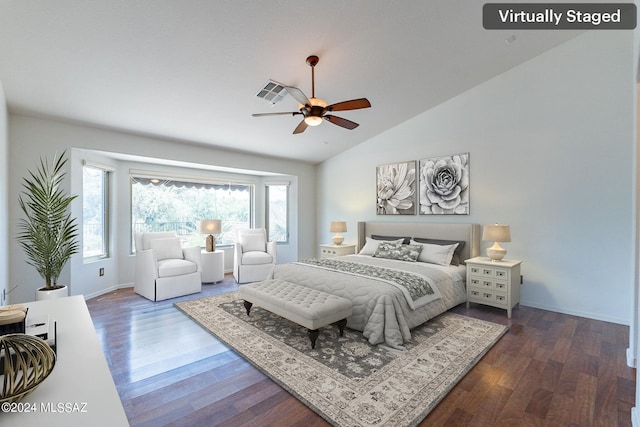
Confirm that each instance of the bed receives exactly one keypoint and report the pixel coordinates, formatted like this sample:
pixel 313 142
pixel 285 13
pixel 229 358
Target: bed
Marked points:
pixel 382 311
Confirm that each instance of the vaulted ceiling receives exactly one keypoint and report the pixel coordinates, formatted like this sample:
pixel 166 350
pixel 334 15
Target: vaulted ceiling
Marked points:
pixel 189 70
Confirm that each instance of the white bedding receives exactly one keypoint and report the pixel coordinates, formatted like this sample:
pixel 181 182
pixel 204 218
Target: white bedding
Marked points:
pixel 380 310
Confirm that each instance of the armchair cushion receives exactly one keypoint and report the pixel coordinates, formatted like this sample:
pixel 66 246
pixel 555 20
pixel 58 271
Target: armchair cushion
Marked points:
pixel 176 267
pixel 166 248
pixel 253 240
pixel 256 258
pixel 143 240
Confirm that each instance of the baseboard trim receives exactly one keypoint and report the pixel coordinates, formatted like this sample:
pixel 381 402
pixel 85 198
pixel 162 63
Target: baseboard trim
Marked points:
pixel 631 361
pixel 107 290
pixel 584 314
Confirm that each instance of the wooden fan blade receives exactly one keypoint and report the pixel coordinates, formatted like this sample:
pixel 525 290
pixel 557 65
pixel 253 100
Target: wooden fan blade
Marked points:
pixel 300 128
pixel 298 95
pixel 341 122
pixel 353 104
pixel 290 113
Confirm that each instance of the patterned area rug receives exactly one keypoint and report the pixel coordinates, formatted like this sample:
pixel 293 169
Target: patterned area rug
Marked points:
pixel 346 380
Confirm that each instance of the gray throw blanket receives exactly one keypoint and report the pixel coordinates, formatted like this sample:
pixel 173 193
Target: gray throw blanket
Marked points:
pixel 414 286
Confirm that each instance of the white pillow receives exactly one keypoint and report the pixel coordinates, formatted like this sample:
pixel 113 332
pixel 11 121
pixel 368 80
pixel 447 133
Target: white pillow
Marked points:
pixel 166 248
pixel 436 254
pixel 253 240
pixel 371 245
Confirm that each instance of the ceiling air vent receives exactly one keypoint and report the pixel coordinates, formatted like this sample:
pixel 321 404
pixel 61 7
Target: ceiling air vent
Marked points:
pixel 272 92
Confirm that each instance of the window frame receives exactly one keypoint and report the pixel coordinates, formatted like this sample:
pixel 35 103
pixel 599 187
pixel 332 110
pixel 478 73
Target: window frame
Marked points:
pixel 106 209
pixel 267 209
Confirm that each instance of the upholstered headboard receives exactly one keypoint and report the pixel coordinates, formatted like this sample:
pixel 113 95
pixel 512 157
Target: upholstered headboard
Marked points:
pixel 470 233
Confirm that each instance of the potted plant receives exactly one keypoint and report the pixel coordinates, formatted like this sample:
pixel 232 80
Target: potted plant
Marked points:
pixel 47 233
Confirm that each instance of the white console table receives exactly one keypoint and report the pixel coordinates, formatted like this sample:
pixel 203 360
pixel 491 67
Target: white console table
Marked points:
pixel 80 390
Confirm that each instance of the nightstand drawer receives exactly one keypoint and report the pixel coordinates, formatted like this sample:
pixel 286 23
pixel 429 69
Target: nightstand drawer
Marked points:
pixel 330 251
pixel 483 271
pixel 488 297
pixel 482 283
pixel 327 252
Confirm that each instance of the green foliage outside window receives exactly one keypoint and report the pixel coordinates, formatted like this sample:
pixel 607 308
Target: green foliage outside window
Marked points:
pixel 179 206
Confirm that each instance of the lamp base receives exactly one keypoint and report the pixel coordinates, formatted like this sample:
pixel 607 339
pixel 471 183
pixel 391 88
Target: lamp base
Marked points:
pixel 337 239
pixel 211 243
pixel 496 252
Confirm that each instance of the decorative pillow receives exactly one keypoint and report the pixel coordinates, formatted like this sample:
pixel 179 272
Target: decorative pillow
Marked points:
pixel 371 245
pixel 405 240
pixel 166 248
pixel 436 254
pixel 398 251
pixel 253 240
pixel 456 260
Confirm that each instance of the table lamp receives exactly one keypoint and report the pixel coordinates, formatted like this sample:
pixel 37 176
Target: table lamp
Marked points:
pixel 338 227
pixel 210 227
pixel 496 233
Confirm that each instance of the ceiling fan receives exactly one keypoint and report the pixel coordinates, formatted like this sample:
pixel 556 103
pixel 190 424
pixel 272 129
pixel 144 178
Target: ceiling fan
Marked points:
pixel 314 110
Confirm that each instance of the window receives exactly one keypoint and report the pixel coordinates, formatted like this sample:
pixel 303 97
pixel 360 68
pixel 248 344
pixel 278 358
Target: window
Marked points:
pixel 277 204
pixel 95 212
pixel 161 204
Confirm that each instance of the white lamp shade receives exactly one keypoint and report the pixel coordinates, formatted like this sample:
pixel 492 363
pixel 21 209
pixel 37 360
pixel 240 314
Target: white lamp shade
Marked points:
pixel 338 226
pixel 210 226
pixel 496 233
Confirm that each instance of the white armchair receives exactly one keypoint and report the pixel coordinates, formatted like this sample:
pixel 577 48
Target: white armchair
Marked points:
pixel 254 257
pixel 164 269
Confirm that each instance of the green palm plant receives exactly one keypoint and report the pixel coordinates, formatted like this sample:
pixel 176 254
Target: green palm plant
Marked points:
pixel 47 233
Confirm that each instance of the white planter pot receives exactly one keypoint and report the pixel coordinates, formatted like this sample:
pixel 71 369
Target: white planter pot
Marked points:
pixel 42 294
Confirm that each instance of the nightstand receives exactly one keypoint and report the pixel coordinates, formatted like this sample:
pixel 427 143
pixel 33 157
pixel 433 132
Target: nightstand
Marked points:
pixel 330 251
pixel 493 283
pixel 212 266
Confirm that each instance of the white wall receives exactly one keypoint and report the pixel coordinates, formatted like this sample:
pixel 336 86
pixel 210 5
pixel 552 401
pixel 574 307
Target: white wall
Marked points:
pixel 551 153
pixel 4 199
pixel 31 138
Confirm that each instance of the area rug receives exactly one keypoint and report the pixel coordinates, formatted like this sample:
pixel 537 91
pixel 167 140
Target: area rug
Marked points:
pixel 346 380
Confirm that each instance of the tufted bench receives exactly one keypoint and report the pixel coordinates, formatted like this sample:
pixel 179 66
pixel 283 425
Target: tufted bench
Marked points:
pixel 304 306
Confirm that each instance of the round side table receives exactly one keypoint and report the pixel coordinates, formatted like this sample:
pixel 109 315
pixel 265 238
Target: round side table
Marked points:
pixel 212 266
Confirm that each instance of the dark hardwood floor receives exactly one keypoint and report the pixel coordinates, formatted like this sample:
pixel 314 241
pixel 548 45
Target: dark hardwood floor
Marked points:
pixel 550 369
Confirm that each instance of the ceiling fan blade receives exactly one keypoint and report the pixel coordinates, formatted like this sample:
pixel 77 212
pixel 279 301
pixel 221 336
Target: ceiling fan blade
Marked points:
pixel 353 104
pixel 289 113
pixel 348 124
pixel 298 95
pixel 300 128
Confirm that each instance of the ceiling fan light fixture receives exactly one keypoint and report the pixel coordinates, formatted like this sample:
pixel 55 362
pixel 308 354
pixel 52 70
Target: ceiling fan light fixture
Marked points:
pixel 317 102
pixel 313 120
pixel 314 102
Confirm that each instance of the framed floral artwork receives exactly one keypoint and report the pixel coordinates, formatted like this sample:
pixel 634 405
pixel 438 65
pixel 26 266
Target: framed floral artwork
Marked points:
pixel 444 185
pixel 396 189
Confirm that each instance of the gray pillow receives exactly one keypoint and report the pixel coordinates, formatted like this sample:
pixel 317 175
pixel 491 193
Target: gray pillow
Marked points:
pixel 405 240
